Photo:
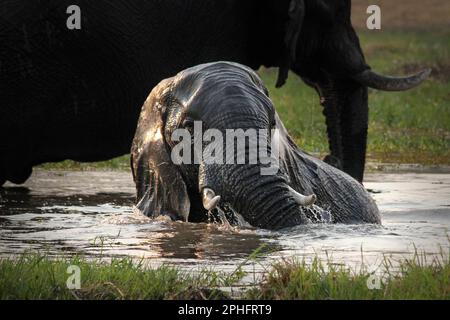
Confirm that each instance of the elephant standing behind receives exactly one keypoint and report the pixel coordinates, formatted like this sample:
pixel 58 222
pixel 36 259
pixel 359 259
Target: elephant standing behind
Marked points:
pixel 75 94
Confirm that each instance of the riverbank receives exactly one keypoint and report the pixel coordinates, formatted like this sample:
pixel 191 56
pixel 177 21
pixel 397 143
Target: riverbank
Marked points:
pixel 35 276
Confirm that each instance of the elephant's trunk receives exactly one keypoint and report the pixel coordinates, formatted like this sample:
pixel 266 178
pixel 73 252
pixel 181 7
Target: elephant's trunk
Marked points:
pixel 264 201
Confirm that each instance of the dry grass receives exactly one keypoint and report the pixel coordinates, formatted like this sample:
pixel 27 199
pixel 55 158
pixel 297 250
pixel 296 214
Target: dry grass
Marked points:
pixel 405 14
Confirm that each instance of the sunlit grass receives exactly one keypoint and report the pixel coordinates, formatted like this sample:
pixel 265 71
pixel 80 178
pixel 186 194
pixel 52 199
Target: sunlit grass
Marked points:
pixel 411 279
pixel 36 276
pixel 412 126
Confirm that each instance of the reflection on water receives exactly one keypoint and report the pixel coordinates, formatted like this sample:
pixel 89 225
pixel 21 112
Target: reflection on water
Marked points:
pixel 91 213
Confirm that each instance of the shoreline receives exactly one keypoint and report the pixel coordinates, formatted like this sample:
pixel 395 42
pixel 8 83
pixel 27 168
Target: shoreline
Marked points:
pixel 372 166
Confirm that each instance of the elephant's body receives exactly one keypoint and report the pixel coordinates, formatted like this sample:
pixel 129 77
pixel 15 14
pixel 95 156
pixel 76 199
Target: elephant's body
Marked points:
pixel 226 96
pixel 75 94
pixel 344 197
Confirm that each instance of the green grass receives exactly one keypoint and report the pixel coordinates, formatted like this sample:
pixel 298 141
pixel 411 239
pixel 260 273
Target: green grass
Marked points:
pixel 34 276
pixel 119 163
pixel 412 126
pixel 413 280
pixel 405 127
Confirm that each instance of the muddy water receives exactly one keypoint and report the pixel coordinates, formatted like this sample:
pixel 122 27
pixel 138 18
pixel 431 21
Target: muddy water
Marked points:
pixel 91 213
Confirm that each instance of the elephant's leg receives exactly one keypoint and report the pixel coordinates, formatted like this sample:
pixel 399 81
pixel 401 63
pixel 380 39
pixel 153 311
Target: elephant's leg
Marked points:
pixel 14 169
pixel 19 176
pixel 354 121
pixel 2 173
pixel 346 111
pixel 332 112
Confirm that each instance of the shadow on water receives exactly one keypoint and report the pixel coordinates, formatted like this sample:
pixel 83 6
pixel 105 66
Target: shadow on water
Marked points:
pixel 91 213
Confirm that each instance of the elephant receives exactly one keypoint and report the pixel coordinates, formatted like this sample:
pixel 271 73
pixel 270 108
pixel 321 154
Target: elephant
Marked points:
pixel 75 93
pixel 223 96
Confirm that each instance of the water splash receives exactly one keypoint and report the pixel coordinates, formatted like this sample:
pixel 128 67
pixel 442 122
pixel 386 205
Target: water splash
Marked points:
pixel 316 214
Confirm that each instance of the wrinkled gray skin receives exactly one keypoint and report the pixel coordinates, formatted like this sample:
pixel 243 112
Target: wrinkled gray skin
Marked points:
pixel 224 96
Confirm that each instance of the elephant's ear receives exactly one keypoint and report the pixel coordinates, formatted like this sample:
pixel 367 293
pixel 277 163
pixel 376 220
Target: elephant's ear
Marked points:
pixel 296 13
pixel 159 184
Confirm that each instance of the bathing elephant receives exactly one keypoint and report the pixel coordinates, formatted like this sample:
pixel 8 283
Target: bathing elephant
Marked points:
pixel 75 93
pixel 270 190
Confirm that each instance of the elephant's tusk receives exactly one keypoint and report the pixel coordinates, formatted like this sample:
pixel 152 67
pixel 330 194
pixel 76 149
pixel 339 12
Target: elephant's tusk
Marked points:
pixel 373 80
pixel 303 200
pixel 210 200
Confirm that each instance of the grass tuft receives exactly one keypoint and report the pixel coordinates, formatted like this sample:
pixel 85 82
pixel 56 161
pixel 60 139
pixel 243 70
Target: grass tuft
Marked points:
pixel 412 279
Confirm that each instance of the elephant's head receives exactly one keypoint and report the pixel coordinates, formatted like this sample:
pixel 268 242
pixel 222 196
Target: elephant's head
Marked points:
pixel 316 40
pixel 212 100
pixel 320 42
pixel 205 140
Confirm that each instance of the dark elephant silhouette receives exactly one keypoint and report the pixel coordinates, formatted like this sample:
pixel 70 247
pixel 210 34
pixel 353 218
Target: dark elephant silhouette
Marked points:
pixel 76 94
